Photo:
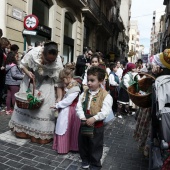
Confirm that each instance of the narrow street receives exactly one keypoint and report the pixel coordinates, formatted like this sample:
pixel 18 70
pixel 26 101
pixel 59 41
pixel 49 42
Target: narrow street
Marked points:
pixel 120 150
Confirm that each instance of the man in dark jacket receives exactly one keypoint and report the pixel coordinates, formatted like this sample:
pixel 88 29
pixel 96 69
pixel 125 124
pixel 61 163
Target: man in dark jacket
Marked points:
pixel 83 61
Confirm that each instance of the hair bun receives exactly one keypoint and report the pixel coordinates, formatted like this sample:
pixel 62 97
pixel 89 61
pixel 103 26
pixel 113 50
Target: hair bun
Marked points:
pixel 50 43
pixel 71 66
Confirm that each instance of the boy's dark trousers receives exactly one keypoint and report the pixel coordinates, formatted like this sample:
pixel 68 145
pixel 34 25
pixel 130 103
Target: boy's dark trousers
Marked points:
pixel 91 149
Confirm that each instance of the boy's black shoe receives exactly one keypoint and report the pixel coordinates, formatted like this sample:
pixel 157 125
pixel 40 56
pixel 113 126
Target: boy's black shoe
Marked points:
pixel 85 165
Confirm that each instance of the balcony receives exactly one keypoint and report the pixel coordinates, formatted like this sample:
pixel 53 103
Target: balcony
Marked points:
pixel 79 3
pixel 167 16
pixel 105 22
pixel 92 10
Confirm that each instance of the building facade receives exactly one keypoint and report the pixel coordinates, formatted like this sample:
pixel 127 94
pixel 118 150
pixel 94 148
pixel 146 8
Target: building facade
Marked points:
pixel 125 13
pixel 166 33
pixel 157 33
pixel 72 24
pixel 134 44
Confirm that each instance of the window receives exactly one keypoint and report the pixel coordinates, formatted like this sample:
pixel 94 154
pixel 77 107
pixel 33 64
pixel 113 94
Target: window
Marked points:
pixel 132 37
pixel 41 10
pixel 68 25
pixel 86 36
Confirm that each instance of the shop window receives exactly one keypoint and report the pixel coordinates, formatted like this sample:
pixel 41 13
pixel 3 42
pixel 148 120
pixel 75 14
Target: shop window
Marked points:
pixel 68 25
pixel 41 10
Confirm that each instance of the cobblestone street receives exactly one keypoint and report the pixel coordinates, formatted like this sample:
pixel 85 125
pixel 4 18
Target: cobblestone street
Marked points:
pixel 120 150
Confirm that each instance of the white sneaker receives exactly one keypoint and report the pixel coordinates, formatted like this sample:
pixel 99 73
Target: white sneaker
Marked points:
pixel 120 116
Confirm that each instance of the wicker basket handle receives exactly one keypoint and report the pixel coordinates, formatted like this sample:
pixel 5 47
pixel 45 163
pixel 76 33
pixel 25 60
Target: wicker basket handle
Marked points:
pixel 33 82
pixel 145 74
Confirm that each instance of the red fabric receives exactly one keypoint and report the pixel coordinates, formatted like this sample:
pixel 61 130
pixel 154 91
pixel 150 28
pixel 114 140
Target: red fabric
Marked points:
pixel 129 67
pixel 166 164
pixel 4 56
pixel 98 123
pixel 102 65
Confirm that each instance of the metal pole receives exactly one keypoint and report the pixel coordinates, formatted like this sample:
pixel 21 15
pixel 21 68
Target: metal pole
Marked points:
pixel 24 43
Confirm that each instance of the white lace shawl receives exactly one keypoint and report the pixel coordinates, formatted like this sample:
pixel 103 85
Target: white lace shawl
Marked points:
pixel 32 60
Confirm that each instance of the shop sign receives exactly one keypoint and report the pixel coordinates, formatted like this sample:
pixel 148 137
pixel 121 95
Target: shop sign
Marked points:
pixel 44 31
pixel 17 13
pixel 30 22
pixel 27 32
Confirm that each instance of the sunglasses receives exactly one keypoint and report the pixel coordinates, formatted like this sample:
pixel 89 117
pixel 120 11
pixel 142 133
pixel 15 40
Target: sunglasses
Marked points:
pixel 89 54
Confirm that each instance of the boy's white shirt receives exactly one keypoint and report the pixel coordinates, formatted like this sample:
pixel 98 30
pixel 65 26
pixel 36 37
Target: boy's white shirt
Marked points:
pixel 112 81
pixel 105 110
pixel 119 73
pixel 108 70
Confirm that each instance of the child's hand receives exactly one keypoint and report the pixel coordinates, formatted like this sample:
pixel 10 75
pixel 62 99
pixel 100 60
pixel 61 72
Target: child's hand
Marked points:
pixel 53 107
pixel 58 99
pixel 90 121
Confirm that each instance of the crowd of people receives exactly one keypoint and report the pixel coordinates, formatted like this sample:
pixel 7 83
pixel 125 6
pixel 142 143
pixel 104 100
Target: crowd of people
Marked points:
pixel 77 98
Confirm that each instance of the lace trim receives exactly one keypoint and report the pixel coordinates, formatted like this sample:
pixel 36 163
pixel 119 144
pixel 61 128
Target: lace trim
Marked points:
pixel 30 131
pixel 32 117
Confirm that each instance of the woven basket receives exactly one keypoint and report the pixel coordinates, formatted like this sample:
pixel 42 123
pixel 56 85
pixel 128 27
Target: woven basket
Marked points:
pixel 145 84
pixel 23 103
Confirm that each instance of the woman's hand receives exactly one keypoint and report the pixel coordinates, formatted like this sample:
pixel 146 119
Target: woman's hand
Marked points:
pixel 90 121
pixel 53 107
pixel 31 75
pixel 28 73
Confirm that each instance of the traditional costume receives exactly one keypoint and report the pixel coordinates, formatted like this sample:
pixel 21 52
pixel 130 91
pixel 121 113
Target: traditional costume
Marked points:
pixel 68 124
pixel 99 105
pixel 38 124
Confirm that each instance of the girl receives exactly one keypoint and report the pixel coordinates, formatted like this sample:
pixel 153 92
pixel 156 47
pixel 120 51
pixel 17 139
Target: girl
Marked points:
pixel 128 76
pixel 13 79
pixel 68 124
pixel 94 62
pixel 114 85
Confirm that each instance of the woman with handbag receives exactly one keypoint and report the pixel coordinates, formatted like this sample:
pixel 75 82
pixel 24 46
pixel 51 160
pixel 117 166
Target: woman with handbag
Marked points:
pixel 13 79
pixel 43 65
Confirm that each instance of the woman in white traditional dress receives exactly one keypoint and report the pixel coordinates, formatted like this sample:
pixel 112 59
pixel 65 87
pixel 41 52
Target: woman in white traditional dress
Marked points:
pixel 42 64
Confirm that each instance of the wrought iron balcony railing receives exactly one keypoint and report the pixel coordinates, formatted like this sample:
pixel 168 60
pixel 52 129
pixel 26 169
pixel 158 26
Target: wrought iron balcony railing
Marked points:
pixel 95 9
pixel 105 22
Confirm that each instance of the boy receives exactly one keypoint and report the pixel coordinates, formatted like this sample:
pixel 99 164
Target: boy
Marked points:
pixel 114 86
pixel 92 108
